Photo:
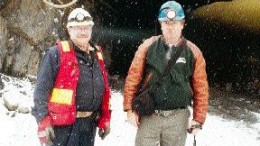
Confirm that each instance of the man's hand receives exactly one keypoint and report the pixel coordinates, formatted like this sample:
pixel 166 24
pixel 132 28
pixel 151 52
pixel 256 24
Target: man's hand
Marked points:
pixel 103 132
pixel 104 124
pixel 46 132
pixel 194 127
pixel 133 118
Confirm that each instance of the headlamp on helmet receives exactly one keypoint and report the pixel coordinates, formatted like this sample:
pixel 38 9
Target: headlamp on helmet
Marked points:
pixel 171 14
pixel 79 17
pixel 171 11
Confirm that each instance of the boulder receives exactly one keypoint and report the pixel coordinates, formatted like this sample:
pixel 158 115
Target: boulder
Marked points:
pixel 11 100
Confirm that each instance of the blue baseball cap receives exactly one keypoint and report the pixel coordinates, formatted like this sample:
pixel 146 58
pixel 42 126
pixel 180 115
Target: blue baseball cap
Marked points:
pixel 171 11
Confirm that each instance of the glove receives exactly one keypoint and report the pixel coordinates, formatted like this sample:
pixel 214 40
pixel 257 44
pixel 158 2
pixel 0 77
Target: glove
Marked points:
pixel 46 132
pixel 104 126
pixel 133 118
pixel 103 132
pixel 194 127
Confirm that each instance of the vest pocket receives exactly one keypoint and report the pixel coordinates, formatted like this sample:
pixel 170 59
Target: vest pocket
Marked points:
pixel 61 118
pixel 61 107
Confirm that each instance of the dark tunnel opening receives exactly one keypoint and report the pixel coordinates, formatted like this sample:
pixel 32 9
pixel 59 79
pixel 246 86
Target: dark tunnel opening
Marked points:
pixel 127 23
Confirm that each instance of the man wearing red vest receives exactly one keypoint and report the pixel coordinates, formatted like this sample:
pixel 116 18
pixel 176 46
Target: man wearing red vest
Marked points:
pixel 72 88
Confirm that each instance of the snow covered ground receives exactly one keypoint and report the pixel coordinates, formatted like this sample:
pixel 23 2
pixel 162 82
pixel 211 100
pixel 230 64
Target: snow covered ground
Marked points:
pixel 20 129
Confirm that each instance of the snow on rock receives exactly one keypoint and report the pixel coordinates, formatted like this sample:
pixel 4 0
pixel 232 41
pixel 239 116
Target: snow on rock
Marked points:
pixel 11 100
pixel 17 94
pixel 3 109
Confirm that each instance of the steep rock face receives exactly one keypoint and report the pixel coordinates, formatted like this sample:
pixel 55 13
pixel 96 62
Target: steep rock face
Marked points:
pixel 27 28
pixel 3 38
pixel 3 3
pixel 29 19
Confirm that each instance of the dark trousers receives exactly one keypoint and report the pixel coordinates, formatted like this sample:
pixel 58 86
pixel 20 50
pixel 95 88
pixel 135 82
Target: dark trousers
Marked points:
pixel 81 133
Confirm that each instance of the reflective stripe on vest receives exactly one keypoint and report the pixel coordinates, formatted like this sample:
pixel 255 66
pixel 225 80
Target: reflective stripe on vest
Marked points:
pixel 62 96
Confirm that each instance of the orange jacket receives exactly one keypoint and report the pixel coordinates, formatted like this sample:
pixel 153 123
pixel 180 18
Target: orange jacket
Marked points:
pixel 199 79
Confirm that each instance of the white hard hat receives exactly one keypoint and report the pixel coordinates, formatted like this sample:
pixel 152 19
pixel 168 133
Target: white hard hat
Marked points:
pixel 78 17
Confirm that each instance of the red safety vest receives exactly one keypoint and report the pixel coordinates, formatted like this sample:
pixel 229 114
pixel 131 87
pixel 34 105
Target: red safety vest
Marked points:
pixel 62 101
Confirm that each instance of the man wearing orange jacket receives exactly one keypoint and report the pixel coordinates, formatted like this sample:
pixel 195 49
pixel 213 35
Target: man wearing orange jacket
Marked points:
pixel 185 82
pixel 72 93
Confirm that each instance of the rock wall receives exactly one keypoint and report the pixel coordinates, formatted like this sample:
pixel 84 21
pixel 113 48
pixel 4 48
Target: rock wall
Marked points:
pixel 27 28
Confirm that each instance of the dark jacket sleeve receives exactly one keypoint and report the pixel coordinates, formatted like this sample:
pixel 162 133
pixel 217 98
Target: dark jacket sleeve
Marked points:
pixel 45 82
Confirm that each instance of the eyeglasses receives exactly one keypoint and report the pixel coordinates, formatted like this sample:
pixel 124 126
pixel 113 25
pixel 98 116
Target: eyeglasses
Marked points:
pixel 81 28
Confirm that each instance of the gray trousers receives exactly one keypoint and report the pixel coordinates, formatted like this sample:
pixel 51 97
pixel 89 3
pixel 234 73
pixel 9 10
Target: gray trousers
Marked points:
pixel 159 130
